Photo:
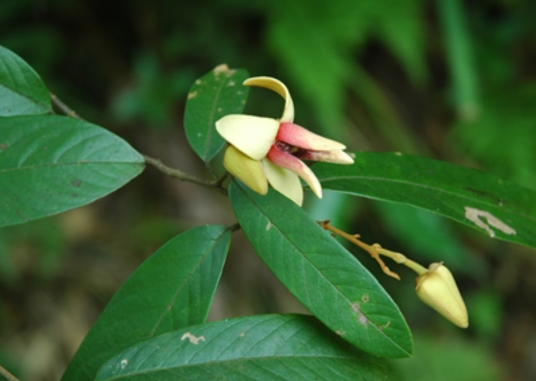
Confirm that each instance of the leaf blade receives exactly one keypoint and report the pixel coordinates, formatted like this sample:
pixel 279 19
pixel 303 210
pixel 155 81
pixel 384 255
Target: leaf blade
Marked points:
pixel 50 164
pixel 285 347
pixel 340 291
pixel 466 195
pixel 216 94
pixel 22 92
pixel 188 269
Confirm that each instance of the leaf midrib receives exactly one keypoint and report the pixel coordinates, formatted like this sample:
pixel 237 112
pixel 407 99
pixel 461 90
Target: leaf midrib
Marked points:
pixel 422 186
pixel 31 167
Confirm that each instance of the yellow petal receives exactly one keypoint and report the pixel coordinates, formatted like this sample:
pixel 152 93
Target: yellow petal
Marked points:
pixel 247 170
pixel 253 135
pixel 280 88
pixel 438 289
pixel 284 181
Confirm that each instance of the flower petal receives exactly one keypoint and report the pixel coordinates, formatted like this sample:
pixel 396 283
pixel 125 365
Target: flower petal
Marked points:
pixel 286 160
pixel 337 157
pixel 247 170
pixel 438 289
pixel 300 137
pixel 253 135
pixel 280 88
pixel 284 181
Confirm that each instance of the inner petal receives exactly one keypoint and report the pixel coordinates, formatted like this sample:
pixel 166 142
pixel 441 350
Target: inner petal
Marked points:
pixel 282 158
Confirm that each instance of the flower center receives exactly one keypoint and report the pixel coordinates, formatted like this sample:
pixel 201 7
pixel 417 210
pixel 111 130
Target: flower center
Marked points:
pixel 285 147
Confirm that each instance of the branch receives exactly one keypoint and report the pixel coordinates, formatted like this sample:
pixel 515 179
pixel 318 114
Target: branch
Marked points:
pixel 63 107
pixel 8 376
pixel 183 176
pixel 372 250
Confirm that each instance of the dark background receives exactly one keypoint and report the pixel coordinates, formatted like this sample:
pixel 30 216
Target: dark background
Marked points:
pixel 445 79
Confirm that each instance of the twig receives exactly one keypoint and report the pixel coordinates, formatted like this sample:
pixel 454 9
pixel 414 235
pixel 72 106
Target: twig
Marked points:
pixel 8 376
pixel 234 227
pixel 63 107
pixel 370 249
pixel 178 174
pixel 375 250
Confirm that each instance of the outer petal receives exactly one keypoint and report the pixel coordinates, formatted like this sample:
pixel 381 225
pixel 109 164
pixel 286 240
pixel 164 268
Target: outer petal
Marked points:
pixel 298 136
pixel 280 88
pixel 249 171
pixel 284 181
pixel 337 157
pixel 253 135
pixel 286 160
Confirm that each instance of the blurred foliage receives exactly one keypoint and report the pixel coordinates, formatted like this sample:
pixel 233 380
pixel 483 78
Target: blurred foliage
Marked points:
pixel 449 79
pixel 435 356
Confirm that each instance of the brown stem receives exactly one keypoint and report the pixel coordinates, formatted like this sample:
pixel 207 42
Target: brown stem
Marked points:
pixel 372 250
pixel 178 174
pixel 63 107
pixel 8 376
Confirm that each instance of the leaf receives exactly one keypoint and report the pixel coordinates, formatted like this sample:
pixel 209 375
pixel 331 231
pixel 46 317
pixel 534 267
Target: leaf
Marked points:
pixel 50 164
pixel 489 204
pixel 216 94
pixel 269 347
pixel 324 276
pixel 170 290
pixel 22 92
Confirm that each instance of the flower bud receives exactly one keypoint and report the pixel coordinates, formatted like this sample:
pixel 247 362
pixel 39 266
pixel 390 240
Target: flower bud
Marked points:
pixel 438 289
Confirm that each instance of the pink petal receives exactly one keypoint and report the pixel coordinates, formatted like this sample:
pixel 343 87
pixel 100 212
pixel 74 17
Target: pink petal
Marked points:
pixel 279 156
pixel 300 137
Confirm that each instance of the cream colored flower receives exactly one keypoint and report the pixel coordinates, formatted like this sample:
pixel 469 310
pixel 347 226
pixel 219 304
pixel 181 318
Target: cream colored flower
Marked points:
pixel 438 289
pixel 265 150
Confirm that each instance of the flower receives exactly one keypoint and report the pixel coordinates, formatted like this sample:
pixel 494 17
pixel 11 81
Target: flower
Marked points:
pixel 438 289
pixel 265 150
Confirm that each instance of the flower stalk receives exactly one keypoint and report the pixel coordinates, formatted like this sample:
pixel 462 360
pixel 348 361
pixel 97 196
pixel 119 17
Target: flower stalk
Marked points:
pixel 435 285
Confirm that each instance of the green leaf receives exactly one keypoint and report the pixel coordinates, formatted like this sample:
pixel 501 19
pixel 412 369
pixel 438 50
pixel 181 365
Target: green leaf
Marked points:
pixel 269 347
pixel 22 92
pixel 216 94
pixel 50 164
pixel 170 290
pixel 324 276
pixel 489 204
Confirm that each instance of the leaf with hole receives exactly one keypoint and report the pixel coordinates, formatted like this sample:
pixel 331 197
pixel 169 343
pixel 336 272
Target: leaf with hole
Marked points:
pixel 170 290
pixel 51 164
pixel 321 274
pixel 258 348
pixel 22 92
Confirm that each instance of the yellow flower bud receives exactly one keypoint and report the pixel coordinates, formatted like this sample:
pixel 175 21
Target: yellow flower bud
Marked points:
pixel 438 289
